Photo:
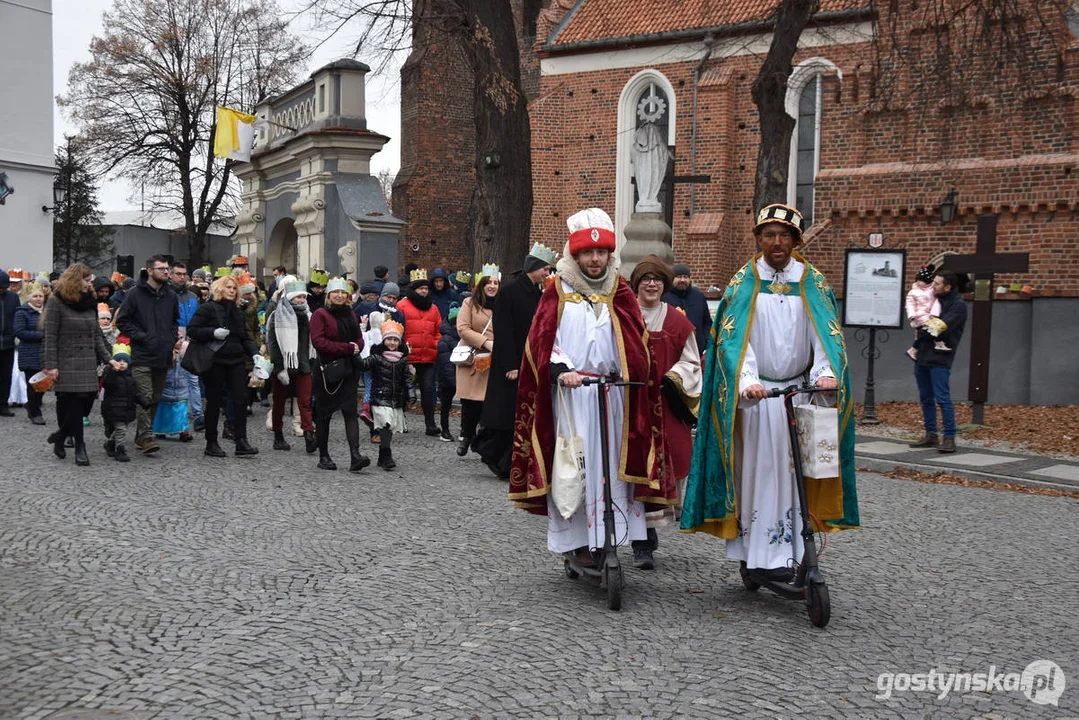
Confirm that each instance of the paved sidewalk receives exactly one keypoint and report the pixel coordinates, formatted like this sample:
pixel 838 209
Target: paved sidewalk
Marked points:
pixel 882 453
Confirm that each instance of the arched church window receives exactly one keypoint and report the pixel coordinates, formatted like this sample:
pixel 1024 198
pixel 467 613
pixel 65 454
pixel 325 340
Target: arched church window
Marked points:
pixel 805 90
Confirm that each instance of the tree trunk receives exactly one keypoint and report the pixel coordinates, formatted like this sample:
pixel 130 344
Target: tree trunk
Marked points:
pixel 500 216
pixel 770 97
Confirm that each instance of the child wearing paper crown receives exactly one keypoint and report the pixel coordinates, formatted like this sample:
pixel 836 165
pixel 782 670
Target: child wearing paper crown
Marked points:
pixel 388 363
pixel 118 406
pixel 922 307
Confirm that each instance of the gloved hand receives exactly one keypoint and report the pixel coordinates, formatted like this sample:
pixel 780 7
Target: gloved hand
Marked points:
pixel 282 377
pixel 221 333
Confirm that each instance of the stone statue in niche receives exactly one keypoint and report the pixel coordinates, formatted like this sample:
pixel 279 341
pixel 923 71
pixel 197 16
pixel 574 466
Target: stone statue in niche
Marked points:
pixel 650 157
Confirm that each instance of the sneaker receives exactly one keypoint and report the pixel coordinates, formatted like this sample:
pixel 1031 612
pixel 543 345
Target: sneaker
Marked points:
pixel 642 555
pixel 85 421
pixel 38 420
pixel 185 436
pixel 446 437
pixel 432 431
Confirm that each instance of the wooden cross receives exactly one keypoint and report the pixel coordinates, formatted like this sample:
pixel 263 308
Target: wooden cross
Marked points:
pixel 983 263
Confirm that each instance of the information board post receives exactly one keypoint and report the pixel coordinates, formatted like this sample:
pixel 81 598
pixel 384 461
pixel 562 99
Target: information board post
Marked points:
pixel 872 303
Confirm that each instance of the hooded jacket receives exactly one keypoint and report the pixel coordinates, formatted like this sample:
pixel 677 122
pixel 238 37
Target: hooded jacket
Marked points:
pixel 151 319
pixel 443 298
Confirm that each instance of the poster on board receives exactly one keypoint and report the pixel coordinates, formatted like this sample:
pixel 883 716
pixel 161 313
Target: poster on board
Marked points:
pixel 873 288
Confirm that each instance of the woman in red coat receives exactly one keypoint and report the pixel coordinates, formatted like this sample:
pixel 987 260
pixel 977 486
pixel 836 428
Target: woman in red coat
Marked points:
pixel 422 322
pixel 335 333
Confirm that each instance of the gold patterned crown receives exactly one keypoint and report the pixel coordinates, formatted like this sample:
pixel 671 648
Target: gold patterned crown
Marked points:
pixel 489 270
pixel 417 275
pixel 319 277
pixel 544 253
pixel 463 277
pixel 222 271
pixel 782 214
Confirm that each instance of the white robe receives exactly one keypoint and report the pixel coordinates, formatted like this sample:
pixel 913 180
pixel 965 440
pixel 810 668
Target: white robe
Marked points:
pixel 586 343
pixel 781 346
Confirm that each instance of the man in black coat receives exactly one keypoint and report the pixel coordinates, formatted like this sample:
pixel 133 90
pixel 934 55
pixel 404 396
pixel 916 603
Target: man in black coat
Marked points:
pixel 687 298
pixel 517 303
pixel 933 368
pixel 150 318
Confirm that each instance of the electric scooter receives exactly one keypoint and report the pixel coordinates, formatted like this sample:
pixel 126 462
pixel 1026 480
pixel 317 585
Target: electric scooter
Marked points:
pixel 808 582
pixel 607 573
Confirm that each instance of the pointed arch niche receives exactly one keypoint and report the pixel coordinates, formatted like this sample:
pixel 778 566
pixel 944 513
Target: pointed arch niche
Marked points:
pixel 641 84
pixel 805 95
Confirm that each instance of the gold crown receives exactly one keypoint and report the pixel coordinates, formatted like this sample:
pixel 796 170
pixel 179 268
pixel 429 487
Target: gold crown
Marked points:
pixel 417 274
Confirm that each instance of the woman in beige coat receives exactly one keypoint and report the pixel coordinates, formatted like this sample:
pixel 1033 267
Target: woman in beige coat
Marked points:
pixel 476 329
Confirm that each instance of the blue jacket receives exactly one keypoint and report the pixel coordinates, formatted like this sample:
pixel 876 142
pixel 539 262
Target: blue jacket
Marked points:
pixel 26 329
pixel 693 303
pixel 447 371
pixel 447 295
pixel 9 303
pixel 188 302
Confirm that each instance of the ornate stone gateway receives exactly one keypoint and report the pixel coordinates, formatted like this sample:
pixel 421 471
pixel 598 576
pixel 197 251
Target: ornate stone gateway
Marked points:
pixel 309 199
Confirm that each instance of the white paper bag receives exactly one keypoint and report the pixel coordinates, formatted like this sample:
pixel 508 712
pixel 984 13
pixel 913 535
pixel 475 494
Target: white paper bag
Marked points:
pixel 818 437
pixel 567 475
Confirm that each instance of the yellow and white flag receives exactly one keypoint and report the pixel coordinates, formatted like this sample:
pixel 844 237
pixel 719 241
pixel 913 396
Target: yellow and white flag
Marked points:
pixel 235 134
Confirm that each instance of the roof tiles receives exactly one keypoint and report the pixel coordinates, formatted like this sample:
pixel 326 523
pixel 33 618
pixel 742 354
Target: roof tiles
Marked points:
pixel 608 19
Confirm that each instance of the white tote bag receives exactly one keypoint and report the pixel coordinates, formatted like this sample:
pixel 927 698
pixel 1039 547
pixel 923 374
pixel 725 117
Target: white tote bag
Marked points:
pixel 567 476
pixel 818 436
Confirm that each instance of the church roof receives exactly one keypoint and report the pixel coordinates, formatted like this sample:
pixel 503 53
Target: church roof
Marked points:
pixel 601 22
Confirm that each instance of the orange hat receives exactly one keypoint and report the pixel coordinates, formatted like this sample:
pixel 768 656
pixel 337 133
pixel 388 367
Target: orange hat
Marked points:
pixel 392 329
pixel 246 283
pixel 118 277
pixel 103 311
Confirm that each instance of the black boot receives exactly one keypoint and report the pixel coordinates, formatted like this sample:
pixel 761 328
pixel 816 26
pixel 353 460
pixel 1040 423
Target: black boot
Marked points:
pixel 227 433
pixel 310 444
pixel 58 445
pixel 110 448
pixel 385 450
pixel 245 448
pixel 120 454
pixel 213 449
pixel 279 442
pixel 325 462
pixel 81 458
pixel 642 555
pixel 462 445
pixel 359 460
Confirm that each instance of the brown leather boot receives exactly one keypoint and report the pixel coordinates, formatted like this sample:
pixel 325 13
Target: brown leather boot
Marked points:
pixel 927 441
pixel 947 445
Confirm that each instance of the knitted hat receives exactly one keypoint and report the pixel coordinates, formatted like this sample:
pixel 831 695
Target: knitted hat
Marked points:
pixel 680 269
pixel 926 273
pixel 103 311
pixel 294 288
pixel 455 309
pixel 368 288
pixel 784 215
pixel 319 277
pixel 651 265
pixel 336 284
pixel 246 283
pixel 42 279
pixel 121 352
pixel 392 329
pixel 390 288
pixel 591 228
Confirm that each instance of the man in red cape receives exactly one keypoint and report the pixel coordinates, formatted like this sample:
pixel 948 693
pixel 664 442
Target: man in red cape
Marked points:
pixel 588 323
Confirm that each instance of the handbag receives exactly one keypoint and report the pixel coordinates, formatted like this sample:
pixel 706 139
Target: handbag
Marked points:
pixel 463 354
pixel 199 357
pixel 818 440
pixel 336 371
pixel 567 476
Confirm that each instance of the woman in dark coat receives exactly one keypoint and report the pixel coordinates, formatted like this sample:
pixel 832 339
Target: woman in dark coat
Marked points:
pixel 288 340
pixel 28 331
pixel 335 333
pixel 221 324
pixel 74 347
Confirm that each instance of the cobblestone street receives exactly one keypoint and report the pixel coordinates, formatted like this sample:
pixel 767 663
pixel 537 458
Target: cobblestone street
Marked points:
pixel 182 587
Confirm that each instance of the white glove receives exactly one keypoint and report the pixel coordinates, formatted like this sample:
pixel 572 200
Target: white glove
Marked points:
pixel 282 377
pixel 221 333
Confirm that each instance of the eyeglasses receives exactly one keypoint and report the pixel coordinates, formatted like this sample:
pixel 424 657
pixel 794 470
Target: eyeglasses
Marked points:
pixel 161 268
pixel 651 280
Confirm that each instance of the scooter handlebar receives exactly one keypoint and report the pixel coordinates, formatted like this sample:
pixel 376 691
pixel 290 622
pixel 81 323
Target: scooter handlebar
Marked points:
pixel 808 389
pixel 607 380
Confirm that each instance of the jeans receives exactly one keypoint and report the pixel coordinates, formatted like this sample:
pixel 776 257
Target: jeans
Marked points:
pixel 933 390
pixel 151 383
pixel 194 392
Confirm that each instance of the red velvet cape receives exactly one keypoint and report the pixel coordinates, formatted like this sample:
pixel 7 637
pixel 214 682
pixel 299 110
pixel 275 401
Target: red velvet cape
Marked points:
pixel 667 346
pixel 643 460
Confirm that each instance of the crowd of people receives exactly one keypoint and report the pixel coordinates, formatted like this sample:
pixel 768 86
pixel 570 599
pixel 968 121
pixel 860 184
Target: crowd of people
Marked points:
pixel 698 438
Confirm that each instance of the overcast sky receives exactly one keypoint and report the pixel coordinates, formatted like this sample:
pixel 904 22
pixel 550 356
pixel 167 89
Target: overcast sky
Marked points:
pixel 75 22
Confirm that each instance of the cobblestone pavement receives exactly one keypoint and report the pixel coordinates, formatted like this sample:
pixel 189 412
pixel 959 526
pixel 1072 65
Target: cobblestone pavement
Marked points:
pixel 182 587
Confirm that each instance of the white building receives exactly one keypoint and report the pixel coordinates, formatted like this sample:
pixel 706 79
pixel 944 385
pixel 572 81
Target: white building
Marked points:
pixel 26 149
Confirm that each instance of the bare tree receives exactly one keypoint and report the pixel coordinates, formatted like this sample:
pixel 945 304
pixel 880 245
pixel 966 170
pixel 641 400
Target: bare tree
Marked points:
pixel 500 213
pixel 145 101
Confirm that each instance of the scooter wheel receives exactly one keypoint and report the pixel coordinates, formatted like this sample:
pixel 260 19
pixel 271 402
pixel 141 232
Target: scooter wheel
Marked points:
pixel 818 605
pixel 613 579
pixel 570 572
pixel 750 584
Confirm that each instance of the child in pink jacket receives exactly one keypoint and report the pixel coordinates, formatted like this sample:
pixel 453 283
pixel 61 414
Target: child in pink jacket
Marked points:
pixel 923 306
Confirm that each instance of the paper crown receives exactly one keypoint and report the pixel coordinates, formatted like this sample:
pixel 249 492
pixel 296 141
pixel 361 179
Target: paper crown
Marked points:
pixel 319 277
pixel 238 260
pixel 246 283
pixel 17 275
pixel 489 270
pixel 463 277
pixel 417 275
pixel 294 288
pixel 782 214
pixel 103 310
pixel 120 351
pixel 544 253
pixel 336 284
pixel 392 329
pixel 118 277
pixel 222 272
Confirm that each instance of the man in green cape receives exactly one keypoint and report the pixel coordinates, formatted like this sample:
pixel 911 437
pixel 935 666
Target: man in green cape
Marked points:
pixel 775 326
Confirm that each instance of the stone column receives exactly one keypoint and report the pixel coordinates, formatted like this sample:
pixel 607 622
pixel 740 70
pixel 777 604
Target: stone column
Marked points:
pixel 310 213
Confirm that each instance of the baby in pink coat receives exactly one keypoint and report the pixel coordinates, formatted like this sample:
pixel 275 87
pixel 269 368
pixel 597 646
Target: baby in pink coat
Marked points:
pixel 922 305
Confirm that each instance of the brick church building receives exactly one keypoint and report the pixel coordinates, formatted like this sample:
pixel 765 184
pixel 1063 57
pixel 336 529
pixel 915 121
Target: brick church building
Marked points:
pixel 862 160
